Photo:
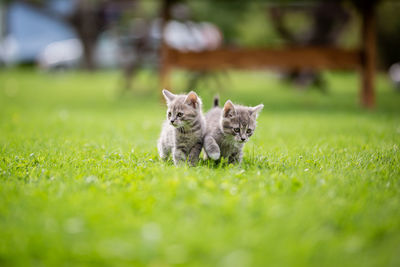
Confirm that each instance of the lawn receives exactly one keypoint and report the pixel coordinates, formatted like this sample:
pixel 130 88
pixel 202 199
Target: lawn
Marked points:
pixel 81 182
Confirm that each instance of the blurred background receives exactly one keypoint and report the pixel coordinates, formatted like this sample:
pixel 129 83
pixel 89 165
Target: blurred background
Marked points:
pixel 81 110
pixel 55 35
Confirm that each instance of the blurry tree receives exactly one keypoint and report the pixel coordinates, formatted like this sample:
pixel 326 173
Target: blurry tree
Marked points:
pixel 88 20
pixel 139 31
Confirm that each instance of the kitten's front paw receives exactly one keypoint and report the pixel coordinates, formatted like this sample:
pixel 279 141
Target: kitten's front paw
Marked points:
pixel 214 155
pixel 193 162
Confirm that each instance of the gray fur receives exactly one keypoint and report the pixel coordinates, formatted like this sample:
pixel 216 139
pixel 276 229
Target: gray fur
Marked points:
pixel 216 101
pixel 183 131
pixel 221 140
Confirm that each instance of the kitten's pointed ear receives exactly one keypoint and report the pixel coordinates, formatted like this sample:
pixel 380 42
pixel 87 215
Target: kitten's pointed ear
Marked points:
pixel 229 109
pixel 168 95
pixel 192 99
pixel 255 110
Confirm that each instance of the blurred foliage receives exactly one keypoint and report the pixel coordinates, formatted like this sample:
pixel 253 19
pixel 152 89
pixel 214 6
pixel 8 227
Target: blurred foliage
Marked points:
pixel 254 30
pixel 351 35
pixel 226 15
pixel 388 35
pixel 248 23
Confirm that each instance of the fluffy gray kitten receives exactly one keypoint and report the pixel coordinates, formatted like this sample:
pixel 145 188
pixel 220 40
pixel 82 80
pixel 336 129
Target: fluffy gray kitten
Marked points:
pixel 183 131
pixel 228 129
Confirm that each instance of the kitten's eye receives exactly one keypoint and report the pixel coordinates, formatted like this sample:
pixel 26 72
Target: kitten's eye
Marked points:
pixel 180 114
pixel 236 130
pixel 248 131
pixel 169 114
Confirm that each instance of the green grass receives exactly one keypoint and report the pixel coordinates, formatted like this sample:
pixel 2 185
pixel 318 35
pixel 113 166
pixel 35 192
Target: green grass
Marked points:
pixel 81 183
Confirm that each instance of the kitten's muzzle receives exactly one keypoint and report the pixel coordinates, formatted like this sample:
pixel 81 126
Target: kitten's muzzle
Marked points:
pixel 173 123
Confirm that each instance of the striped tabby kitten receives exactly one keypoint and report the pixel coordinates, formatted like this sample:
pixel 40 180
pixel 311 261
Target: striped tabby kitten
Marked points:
pixel 228 129
pixel 183 131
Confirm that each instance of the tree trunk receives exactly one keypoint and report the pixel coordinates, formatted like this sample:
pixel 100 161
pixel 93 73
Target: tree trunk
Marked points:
pixel 86 22
pixel 88 45
pixel 3 22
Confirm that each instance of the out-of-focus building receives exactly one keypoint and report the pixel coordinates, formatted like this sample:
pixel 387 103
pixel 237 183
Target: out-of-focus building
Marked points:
pixel 29 32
